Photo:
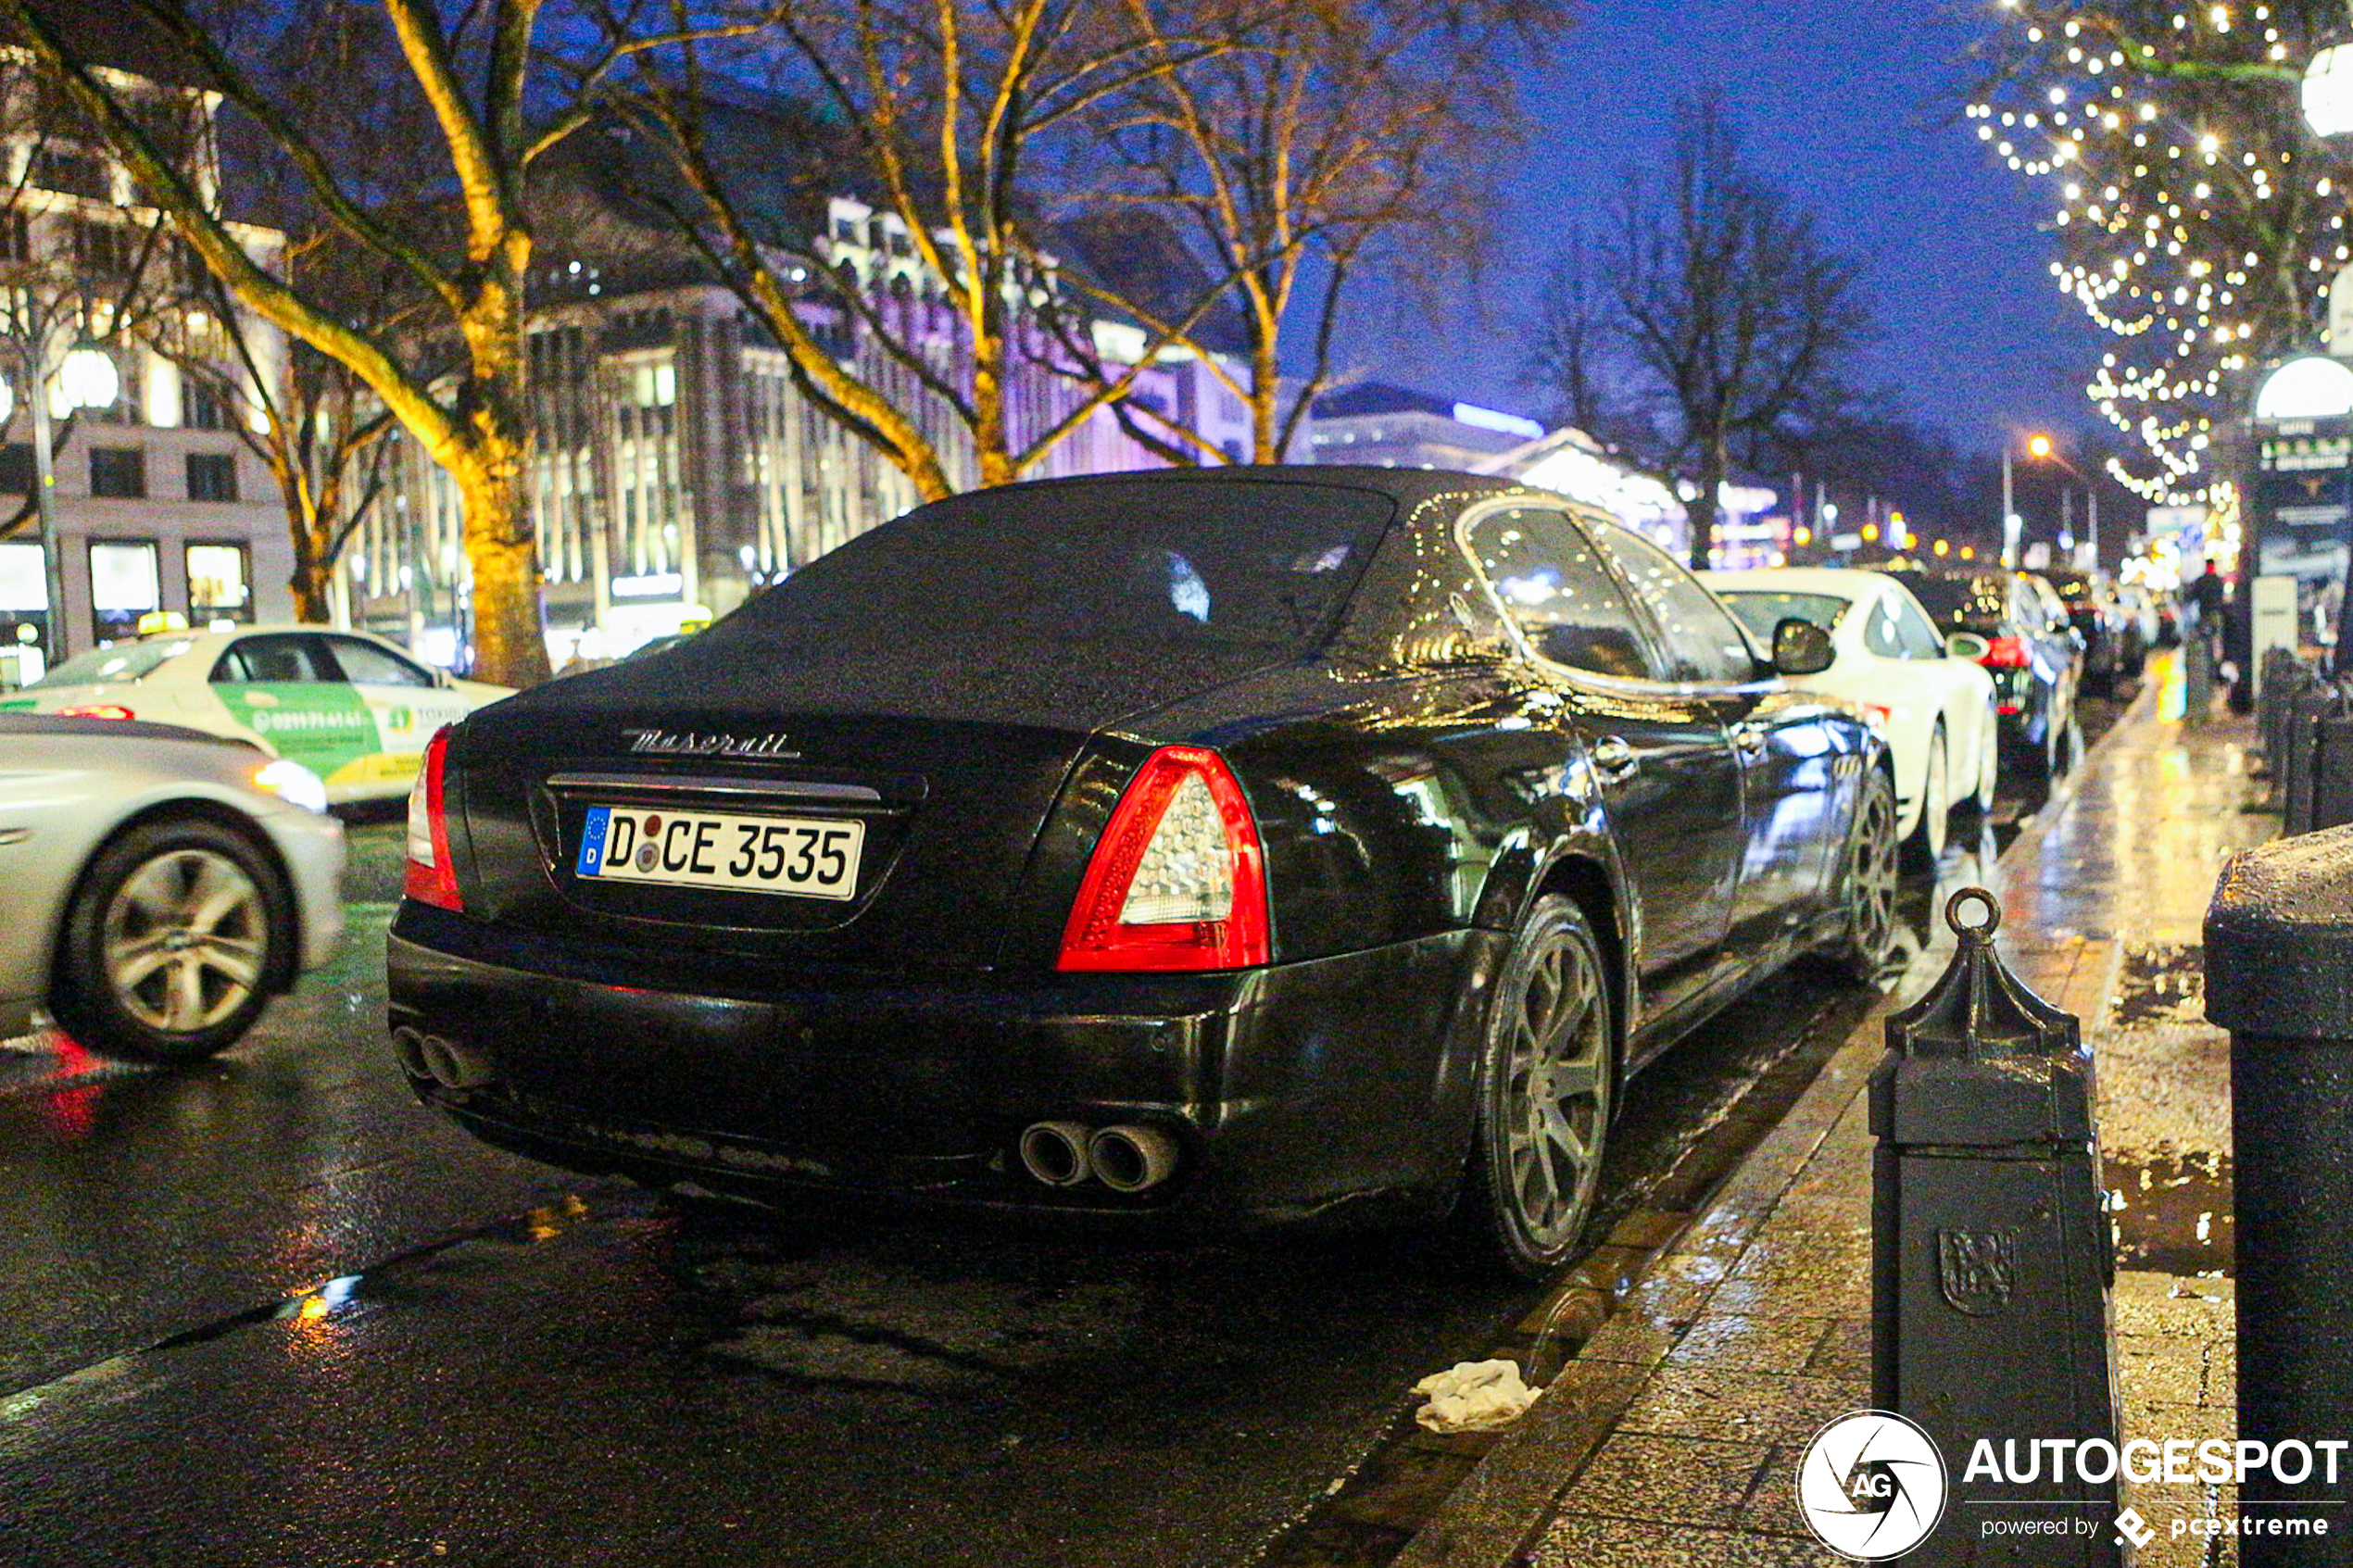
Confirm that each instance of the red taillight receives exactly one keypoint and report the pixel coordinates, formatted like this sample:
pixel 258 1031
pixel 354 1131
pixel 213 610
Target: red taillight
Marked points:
pixel 431 878
pixel 1178 880
pixel 95 711
pixel 2006 653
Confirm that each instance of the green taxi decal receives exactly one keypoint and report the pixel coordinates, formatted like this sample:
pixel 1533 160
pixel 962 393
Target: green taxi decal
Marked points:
pixel 323 725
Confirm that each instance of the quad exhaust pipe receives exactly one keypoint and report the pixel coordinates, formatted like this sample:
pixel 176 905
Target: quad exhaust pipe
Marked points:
pixel 1055 1153
pixel 1130 1159
pixel 1125 1159
pixel 451 1065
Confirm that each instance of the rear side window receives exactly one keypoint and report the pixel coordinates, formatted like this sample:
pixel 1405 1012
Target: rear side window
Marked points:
pixel 1913 633
pixel 271 661
pixel 1762 610
pixel 1702 638
pixel 368 665
pixel 1551 581
pixel 1239 564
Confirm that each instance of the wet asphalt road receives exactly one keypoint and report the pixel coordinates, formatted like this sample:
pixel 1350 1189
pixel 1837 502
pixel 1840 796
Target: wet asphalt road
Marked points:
pixel 267 1311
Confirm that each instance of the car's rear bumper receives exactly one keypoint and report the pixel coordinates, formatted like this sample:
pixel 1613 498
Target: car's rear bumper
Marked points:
pixel 311 845
pixel 1301 1089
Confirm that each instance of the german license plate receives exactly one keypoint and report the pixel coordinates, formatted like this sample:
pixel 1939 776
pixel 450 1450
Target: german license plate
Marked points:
pixel 805 857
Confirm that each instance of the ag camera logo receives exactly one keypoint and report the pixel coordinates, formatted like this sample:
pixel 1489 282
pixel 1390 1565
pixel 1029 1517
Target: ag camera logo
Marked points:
pixel 1871 1486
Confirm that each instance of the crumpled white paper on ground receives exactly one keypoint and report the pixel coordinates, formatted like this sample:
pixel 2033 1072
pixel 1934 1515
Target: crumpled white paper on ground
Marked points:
pixel 1473 1397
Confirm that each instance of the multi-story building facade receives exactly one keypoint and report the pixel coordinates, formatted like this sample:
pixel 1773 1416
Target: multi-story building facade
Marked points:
pixel 677 466
pixel 157 502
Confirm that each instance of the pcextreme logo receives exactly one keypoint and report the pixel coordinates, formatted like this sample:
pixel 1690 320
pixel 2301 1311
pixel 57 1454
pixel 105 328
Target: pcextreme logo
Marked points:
pixel 1871 1486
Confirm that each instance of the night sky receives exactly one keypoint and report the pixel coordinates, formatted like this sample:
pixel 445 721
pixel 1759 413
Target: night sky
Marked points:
pixel 1850 104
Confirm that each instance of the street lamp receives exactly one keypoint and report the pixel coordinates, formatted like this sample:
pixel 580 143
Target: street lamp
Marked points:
pixel 84 378
pixel 2328 91
pixel 2042 449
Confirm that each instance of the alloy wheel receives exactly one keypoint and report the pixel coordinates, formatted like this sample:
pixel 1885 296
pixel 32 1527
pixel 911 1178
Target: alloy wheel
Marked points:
pixel 1872 873
pixel 1555 1101
pixel 1936 797
pixel 184 940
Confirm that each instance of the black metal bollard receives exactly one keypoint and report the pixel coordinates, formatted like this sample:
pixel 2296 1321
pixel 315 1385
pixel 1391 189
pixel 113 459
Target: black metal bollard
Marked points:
pixel 2297 746
pixel 2332 773
pixel 1991 1254
pixel 2279 976
pixel 2280 668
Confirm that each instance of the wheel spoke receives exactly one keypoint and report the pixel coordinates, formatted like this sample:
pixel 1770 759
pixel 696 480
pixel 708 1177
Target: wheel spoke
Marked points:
pixel 239 962
pixel 132 965
pixel 183 1006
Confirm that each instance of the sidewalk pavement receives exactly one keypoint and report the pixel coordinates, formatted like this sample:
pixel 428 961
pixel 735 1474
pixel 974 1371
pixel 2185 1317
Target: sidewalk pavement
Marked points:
pixel 1673 1435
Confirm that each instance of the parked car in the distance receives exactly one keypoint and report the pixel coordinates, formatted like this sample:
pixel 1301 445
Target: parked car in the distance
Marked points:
pixel 2113 645
pixel 348 706
pixel 2036 658
pixel 161 884
pixel 1934 706
pixel 2148 611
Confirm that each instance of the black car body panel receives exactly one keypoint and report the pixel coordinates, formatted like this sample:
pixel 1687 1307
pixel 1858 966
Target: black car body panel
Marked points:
pixel 1418 779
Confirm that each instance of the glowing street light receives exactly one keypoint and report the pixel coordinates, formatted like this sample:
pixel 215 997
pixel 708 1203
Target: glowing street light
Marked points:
pixel 87 379
pixel 2038 447
pixel 2328 91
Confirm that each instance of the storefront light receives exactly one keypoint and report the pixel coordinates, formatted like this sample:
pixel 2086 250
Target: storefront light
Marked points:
pixel 88 379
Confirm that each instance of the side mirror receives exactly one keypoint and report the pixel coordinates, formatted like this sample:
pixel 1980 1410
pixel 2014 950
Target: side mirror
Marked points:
pixel 1967 645
pixel 1800 648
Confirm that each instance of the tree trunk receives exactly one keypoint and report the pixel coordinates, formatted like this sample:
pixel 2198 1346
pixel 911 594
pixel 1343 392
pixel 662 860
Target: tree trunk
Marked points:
pixel 1714 461
pixel 1266 399
pixel 510 640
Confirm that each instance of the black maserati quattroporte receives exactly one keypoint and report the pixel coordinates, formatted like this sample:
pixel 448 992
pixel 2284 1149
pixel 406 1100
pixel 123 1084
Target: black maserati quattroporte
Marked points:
pixel 1248 842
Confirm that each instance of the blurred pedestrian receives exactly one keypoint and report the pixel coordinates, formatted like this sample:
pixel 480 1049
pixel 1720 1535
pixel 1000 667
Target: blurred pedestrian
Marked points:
pixel 2205 598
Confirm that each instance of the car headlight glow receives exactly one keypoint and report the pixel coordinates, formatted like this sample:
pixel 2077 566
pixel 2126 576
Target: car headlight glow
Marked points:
pixel 292 783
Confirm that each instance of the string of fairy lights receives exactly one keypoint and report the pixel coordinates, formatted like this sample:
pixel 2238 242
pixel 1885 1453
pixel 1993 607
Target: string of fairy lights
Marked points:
pixel 2198 223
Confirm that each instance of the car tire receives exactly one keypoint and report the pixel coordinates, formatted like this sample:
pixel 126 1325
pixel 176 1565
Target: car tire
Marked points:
pixel 171 942
pixel 2043 762
pixel 1989 770
pixel 1529 1189
pixel 1869 881
pixel 1926 844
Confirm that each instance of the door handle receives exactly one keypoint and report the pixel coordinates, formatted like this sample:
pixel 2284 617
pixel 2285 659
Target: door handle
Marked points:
pixel 1748 741
pixel 1616 760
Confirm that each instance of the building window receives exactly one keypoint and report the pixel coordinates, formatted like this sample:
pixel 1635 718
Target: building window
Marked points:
pixel 202 404
pixel 212 476
pixel 124 585
pixel 74 173
pixel 218 585
pixel 119 472
pixel 16 467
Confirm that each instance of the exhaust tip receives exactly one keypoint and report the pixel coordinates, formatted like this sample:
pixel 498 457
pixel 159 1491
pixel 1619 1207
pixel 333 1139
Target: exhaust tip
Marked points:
pixel 1130 1159
pixel 454 1066
pixel 410 1046
pixel 1055 1153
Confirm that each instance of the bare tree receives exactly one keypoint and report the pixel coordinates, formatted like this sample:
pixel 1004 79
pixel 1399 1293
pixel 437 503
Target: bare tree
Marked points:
pixel 75 272
pixel 1734 323
pixel 457 383
pixel 1332 134
pixel 947 114
pixel 312 422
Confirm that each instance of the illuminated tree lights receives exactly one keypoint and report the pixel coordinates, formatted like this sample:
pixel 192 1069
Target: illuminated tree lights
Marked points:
pixel 2195 219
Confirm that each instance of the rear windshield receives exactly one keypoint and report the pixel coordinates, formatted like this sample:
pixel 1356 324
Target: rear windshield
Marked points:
pixel 1958 604
pixel 1760 610
pixel 1239 564
pixel 113 666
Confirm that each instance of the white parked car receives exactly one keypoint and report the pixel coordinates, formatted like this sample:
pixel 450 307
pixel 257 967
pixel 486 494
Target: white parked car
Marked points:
pixel 162 884
pixel 351 708
pixel 1932 702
